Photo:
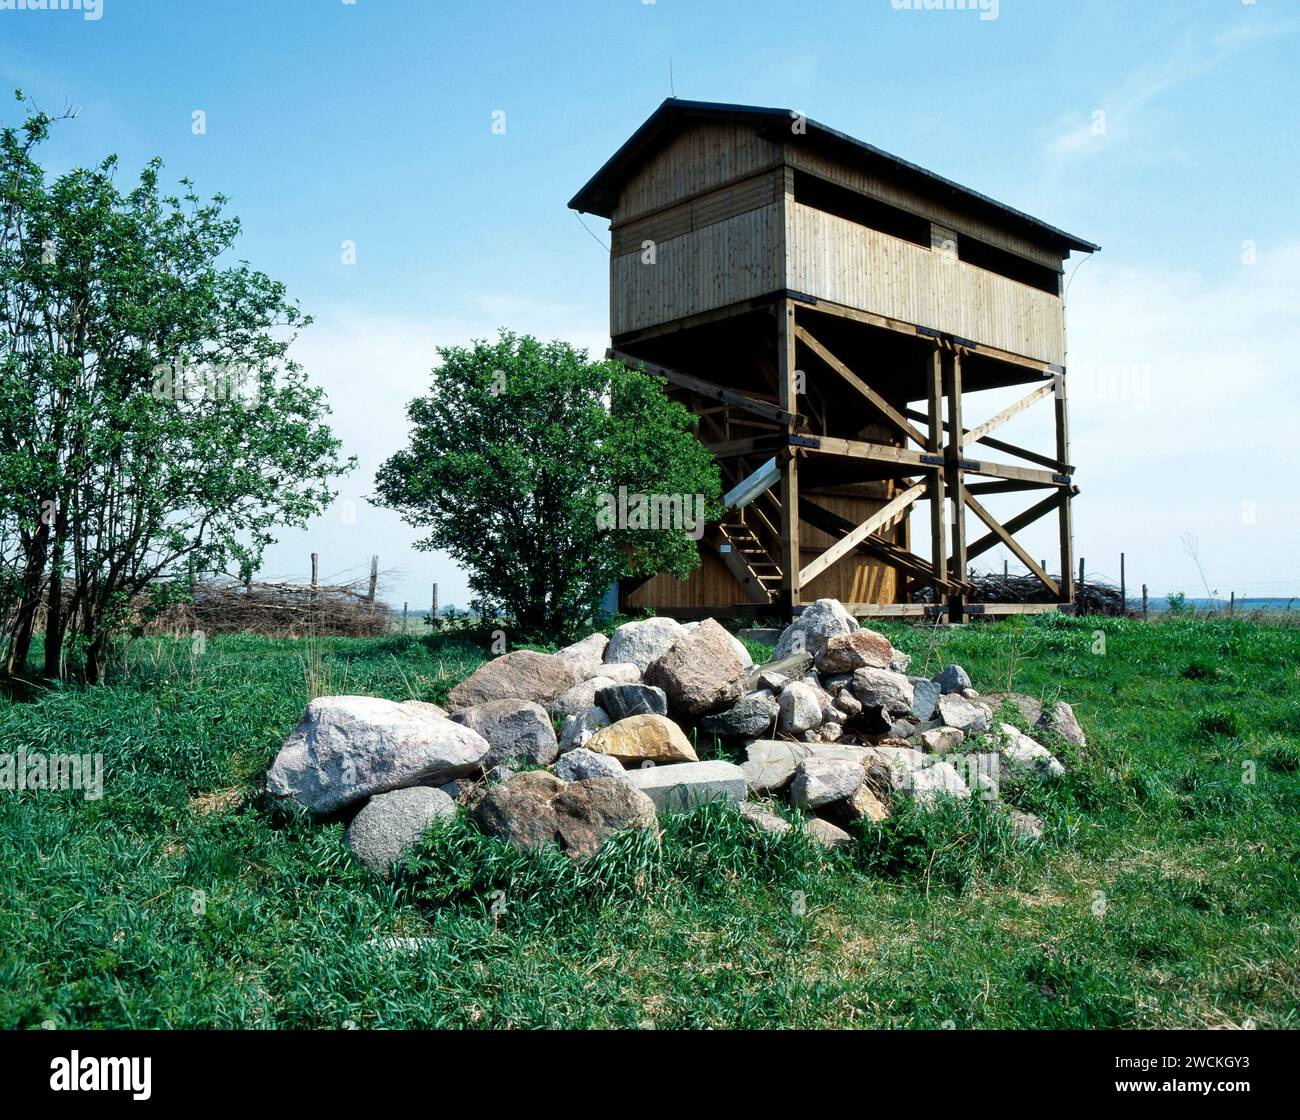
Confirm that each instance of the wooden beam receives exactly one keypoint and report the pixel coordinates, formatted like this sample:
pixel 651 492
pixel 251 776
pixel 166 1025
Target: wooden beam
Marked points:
pixel 883 517
pixel 934 418
pixel 917 460
pixel 1013 525
pixel 738 448
pixel 789 399
pixel 993 422
pixel 705 388
pixel 898 419
pixel 1066 524
pixel 953 480
pixel 1013 544
pixel 750 487
pixel 1009 448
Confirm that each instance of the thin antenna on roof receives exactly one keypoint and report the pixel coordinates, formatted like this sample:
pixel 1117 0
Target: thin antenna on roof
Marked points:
pixel 672 90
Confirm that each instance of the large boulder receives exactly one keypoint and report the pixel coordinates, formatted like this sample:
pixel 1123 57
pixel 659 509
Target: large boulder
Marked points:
pixel 883 688
pixel 1027 755
pixel 700 672
pixel 390 823
pixel 624 700
pixel 952 678
pixel 578 698
pixel 827 834
pixel 639 739
pixel 764 819
pixel 821 781
pixel 810 632
pixel 800 707
pixel 621 672
pixel 1059 717
pixel 519 675
pixel 643 642
pixel 519 732
pixel 859 649
pixel 680 787
pixel 928 784
pixel 968 716
pixel 579 764
pixel 942 740
pixel 586 656
pixel 925 698
pixel 536 808
pixel 770 764
pixel 751 715
pixel 346 748
pixel 581 726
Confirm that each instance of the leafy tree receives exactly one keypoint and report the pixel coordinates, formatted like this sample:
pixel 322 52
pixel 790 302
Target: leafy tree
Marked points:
pixel 515 466
pixel 151 424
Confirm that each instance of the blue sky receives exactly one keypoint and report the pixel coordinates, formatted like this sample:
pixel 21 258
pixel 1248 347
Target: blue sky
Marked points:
pixel 371 122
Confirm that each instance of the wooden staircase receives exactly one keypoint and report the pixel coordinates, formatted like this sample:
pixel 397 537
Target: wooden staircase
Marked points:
pixel 743 552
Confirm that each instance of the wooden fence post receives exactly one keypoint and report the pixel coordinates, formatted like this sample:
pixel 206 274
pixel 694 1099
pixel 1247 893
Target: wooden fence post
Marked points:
pixel 1123 590
pixel 374 578
pixel 1078 591
pixel 1144 602
pixel 433 610
pixel 404 606
pixel 314 562
pixel 1232 603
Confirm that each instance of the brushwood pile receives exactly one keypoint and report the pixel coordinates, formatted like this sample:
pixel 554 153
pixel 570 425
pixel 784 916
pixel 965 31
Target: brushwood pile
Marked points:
pixel 571 747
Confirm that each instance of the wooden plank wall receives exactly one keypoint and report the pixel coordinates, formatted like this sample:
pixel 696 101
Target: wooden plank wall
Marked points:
pixel 730 260
pixel 836 259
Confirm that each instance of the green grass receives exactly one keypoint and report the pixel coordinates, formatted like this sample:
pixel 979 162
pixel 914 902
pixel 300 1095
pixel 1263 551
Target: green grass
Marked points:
pixel 1164 892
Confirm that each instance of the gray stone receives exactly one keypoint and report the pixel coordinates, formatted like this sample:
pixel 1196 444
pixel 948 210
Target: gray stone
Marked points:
pixel 901 662
pixel 847 703
pixel 1027 826
pixel 773 682
pixel 520 675
pixel 792 667
pixel 1030 708
pixel 390 823
pixel 579 764
pixel 751 715
pixel 941 740
pixel 810 631
pixel 579 698
pixel 820 781
pixel 621 672
pixel 902 763
pixel 764 819
pixel 928 784
pixel 346 748
pixel 1059 717
pixel 771 763
pixel 827 834
pixel 643 642
pixel 700 672
pixel 952 678
pixel 681 786
pixel 536 808
pixel 519 732
pixel 925 698
pixel 883 688
pixel 1026 755
pixel 800 707
pixel 901 729
pixel 581 726
pixel 969 716
pixel 586 656
pixel 623 700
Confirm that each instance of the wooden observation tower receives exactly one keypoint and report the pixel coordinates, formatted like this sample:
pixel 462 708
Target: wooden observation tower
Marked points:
pixel 825 309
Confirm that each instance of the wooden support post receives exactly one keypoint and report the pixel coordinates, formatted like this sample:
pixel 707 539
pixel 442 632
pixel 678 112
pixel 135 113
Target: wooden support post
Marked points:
pixel 788 398
pixel 314 566
pixel 374 579
pixel 1079 589
pixel 404 606
pixel 1232 603
pixel 433 608
pixel 954 483
pixel 1066 526
pixel 934 445
pixel 1123 588
pixel 1144 602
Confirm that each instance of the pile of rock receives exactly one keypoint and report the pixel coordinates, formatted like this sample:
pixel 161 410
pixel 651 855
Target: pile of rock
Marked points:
pixel 833 725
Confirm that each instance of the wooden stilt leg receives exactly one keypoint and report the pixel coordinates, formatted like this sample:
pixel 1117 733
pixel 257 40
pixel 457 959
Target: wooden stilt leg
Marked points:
pixel 791 560
pixel 934 444
pixel 1067 528
pixel 954 482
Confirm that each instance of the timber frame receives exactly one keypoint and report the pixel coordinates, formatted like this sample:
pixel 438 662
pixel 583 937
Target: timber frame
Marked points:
pixel 827 311
pixel 932 461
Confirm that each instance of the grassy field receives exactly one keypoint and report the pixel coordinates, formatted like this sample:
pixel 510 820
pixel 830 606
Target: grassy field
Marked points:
pixel 1165 892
